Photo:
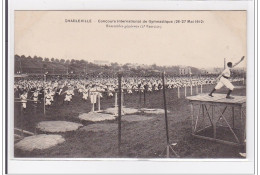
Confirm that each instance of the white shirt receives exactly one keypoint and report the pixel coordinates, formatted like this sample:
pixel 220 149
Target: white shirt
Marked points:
pixel 226 72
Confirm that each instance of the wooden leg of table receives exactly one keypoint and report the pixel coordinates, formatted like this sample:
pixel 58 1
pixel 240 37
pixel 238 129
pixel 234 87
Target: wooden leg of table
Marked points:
pixel 197 119
pixel 242 124
pixel 168 151
pixel 214 123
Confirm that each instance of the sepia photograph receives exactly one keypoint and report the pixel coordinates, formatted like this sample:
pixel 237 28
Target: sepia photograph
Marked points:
pixel 130 84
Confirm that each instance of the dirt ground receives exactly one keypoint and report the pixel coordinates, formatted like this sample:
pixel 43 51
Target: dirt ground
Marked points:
pixel 140 139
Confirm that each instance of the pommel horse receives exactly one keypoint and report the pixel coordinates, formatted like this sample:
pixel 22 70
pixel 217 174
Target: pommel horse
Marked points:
pixel 203 106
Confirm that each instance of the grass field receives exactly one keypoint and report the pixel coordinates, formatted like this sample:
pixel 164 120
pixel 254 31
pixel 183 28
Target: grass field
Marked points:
pixel 141 139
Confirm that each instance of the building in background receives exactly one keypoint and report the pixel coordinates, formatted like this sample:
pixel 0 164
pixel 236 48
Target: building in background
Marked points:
pixel 185 70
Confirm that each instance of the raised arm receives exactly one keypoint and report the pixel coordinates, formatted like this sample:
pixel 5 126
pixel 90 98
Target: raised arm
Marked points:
pixel 239 61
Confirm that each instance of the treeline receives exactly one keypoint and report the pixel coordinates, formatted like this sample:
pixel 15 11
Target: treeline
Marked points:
pixel 39 65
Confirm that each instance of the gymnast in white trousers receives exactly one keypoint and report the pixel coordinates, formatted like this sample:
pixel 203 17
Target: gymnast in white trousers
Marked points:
pixel 223 79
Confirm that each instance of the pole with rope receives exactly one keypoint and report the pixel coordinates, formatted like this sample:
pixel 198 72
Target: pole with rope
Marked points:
pixel 169 146
pixel 119 111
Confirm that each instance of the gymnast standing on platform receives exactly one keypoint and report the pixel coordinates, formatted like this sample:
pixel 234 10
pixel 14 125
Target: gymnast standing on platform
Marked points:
pixel 223 79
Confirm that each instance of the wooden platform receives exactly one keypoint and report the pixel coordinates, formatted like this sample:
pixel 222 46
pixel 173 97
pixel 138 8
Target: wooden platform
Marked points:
pixel 218 98
pixel 214 109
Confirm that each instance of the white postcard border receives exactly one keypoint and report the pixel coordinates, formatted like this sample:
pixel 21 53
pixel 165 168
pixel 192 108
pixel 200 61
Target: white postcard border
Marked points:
pixel 133 166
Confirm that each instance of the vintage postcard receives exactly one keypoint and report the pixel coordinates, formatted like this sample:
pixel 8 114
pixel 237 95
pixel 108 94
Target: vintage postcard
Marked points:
pixel 130 84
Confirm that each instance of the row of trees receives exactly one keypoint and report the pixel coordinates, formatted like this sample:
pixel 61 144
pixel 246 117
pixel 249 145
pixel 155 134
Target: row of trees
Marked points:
pixel 54 60
pixel 37 64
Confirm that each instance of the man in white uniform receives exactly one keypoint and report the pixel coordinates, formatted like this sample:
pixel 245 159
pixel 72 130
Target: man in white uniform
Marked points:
pixel 223 79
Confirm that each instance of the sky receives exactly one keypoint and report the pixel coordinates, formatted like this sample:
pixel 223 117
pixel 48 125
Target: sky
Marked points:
pixel 222 34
